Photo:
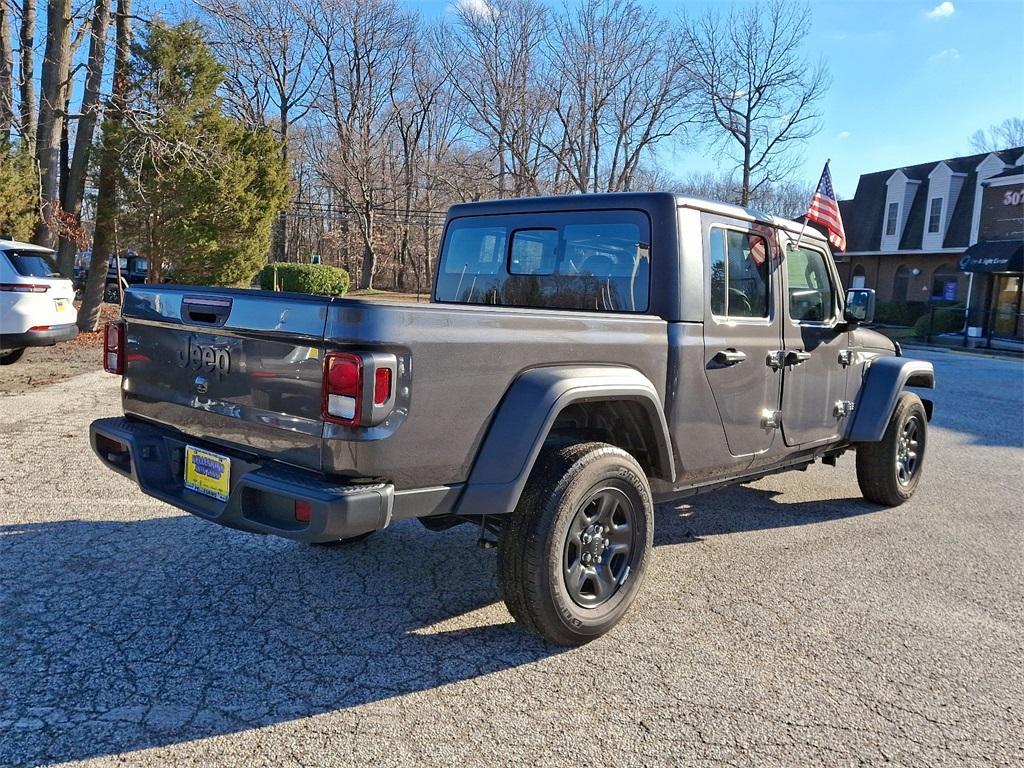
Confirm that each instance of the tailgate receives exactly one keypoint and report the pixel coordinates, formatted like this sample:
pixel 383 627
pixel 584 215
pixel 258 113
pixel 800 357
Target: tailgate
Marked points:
pixel 236 367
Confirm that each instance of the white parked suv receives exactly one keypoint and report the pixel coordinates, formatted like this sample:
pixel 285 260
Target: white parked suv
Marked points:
pixel 36 305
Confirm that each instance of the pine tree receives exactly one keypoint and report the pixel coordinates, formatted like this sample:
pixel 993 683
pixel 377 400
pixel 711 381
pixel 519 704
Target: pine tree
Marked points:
pixel 201 191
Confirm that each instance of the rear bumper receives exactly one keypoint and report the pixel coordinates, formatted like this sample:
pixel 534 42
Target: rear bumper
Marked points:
pixel 52 335
pixel 262 497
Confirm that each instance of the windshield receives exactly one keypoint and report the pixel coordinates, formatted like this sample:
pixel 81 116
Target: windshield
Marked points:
pixel 32 264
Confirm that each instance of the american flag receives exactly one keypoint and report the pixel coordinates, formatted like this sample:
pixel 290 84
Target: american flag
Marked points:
pixel 757 249
pixel 824 210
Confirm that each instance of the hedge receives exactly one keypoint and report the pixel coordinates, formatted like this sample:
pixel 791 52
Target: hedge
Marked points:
pixel 900 312
pixel 320 279
pixel 946 320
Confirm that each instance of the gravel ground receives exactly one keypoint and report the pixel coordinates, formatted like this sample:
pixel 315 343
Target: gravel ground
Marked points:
pixel 785 622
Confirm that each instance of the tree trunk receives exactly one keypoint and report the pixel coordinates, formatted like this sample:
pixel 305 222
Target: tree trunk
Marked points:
pixel 76 176
pixel 280 239
pixel 26 83
pixel 106 193
pixel 6 78
pixel 369 255
pixel 56 69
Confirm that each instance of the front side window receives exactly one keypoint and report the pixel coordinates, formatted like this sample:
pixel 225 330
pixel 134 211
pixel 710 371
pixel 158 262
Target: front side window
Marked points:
pixel 811 297
pixel 934 215
pixel 890 219
pixel 739 274
pixel 586 260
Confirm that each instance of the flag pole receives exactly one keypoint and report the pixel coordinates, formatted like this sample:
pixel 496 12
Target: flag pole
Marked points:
pixel 804 227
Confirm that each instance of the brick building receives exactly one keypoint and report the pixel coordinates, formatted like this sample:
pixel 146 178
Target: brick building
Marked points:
pixel 908 230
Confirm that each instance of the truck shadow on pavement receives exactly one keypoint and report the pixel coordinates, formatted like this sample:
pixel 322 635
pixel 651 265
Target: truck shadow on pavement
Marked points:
pixel 118 636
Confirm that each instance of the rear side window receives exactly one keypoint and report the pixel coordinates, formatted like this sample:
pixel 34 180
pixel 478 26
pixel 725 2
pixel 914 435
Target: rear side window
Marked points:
pixel 586 260
pixel 32 264
pixel 739 274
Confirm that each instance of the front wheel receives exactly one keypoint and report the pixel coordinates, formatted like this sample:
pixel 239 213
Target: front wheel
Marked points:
pixel 11 356
pixel 573 553
pixel 889 471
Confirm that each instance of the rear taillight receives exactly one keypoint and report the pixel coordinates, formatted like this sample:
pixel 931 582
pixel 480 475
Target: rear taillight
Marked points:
pixel 24 287
pixel 343 385
pixel 358 388
pixel 113 347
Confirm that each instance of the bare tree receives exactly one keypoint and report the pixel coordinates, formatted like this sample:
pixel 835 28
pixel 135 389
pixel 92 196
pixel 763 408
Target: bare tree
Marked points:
pixel 758 92
pixel 26 73
pixel 6 76
pixel 103 243
pixel 74 183
pixel 616 90
pixel 273 66
pixel 365 54
pixel 1006 135
pixel 493 48
pixel 52 98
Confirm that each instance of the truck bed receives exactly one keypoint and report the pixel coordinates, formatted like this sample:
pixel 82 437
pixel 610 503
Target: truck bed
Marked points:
pixel 243 369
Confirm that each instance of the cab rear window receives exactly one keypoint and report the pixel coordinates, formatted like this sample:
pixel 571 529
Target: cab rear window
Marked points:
pixel 585 260
pixel 32 263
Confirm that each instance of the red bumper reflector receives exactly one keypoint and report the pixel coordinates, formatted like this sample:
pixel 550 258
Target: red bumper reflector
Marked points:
pixel 303 511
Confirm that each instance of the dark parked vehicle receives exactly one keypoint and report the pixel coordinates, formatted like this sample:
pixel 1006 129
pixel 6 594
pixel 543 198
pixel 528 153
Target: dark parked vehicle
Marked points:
pixel 583 359
pixel 134 270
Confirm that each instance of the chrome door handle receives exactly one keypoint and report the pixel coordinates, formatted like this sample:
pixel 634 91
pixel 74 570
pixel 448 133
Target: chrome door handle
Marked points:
pixel 729 357
pixel 797 356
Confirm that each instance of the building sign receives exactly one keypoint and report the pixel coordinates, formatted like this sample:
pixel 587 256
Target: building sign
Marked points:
pixel 1002 213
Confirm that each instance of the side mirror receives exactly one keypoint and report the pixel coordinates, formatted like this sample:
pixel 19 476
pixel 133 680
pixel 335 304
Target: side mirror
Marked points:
pixel 860 305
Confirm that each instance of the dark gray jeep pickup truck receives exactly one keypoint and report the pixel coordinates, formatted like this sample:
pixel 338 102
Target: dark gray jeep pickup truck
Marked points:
pixel 583 359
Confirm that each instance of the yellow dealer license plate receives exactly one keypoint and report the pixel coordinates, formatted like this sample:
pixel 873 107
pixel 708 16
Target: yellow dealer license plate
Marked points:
pixel 207 472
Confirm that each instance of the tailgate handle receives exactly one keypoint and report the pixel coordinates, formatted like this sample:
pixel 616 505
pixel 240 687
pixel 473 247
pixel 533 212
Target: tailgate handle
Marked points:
pixel 206 310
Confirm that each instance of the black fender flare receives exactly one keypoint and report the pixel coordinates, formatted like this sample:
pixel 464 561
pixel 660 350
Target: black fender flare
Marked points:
pixel 884 379
pixel 524 419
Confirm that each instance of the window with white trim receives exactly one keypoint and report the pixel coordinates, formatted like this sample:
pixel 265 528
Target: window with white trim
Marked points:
pixel 891 217
pixel 934 215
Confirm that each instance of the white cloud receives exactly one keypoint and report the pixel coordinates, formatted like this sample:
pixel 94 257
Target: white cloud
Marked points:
pixel 478 8
pixel 941 11
pixel 843 135
pixel 946 54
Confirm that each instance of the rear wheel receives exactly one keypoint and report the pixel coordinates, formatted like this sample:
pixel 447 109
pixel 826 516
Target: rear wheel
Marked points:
pixel 573 553
pixel 10 356
pixel 888 471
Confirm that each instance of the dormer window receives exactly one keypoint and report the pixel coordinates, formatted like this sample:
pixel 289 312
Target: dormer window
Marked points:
pixel 891 218
pixel 934 215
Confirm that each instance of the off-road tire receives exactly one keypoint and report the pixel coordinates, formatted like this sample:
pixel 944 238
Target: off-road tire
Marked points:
pixel 877 472
pixel 11 356
pixel 532 550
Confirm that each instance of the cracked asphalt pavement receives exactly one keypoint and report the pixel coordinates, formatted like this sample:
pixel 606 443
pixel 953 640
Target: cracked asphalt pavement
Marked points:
pixel 785 622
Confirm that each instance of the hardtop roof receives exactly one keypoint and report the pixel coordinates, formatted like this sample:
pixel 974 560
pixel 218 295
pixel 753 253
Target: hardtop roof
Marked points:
pixel 638 200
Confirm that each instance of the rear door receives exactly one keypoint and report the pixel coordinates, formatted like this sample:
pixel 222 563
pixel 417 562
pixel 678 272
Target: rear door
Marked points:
pixel 235 367
pixel 741 331
pixel 814 382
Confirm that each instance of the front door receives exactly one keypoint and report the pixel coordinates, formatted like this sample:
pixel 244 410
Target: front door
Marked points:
pixel 814 378
pixel 1007 318
pixel 741 329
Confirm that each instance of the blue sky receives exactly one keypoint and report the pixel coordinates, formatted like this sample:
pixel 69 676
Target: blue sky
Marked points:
pixel 912 80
